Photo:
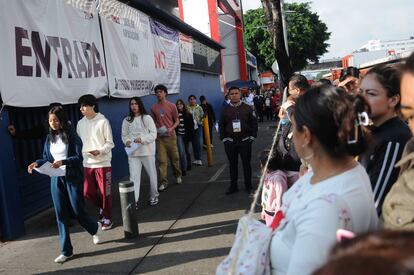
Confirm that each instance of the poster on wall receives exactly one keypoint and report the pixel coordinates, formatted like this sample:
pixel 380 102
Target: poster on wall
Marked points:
pixel 129 52
pixel 49 52
pixel 186 49
pixel 167 56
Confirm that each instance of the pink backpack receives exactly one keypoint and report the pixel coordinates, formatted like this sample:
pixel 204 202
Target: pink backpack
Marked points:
pixel 274 185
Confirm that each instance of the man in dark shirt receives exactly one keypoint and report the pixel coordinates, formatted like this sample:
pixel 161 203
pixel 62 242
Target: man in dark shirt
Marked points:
pixel 238 129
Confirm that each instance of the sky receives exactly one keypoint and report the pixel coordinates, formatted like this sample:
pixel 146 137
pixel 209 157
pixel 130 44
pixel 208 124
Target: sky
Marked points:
pixel 354 23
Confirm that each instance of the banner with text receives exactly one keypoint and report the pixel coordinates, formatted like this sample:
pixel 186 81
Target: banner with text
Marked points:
pixel 167 56
pixel 129 53
pixel 49 52
pixel 186 49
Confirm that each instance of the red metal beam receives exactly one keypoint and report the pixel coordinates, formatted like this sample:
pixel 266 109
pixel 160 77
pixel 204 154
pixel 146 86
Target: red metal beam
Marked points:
pixel 214 21
pixel 241 51
pixel 181 9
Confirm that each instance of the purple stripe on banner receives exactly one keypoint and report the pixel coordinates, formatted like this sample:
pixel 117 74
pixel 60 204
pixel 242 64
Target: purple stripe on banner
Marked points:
pixel 161 30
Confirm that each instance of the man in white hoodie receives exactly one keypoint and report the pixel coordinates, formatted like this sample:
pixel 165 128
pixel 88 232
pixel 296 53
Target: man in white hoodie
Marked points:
pixel 96 134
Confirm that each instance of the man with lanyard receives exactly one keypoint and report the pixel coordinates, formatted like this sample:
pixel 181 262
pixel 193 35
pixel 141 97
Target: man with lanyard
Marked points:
pixel 238 129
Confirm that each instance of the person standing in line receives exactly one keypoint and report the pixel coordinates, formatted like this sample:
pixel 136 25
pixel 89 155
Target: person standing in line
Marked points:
pixel 198 115
pixel 336 193
pixel 381 88
pixel 209 112
pixel 63 148
pixel 165 116
pixel 139 127
pixel 398 206
pixel 238 129
pixel 96 134
pixel 185 133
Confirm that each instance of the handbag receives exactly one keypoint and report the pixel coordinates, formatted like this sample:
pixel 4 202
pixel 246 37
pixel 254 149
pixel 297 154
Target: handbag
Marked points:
pixel 249 254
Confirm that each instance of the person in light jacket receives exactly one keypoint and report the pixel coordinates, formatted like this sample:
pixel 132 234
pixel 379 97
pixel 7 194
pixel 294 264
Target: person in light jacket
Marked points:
pixel 139 127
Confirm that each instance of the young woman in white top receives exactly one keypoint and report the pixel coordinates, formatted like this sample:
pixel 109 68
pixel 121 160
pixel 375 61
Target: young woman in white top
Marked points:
pixel 139 127
pixel 63 149
pixel 335 193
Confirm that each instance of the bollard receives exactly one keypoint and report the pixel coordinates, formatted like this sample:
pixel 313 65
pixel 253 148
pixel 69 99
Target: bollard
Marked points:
pixel 127 198
pixel 207 139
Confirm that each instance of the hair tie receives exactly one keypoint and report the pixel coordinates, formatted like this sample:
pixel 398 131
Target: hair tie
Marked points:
pixel 362 119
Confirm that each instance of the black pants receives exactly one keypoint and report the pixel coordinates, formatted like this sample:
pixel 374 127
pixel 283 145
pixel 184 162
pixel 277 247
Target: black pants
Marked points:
pixel 233 149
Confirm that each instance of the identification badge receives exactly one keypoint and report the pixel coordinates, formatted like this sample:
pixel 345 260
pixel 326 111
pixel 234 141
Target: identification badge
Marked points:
pixel 236 126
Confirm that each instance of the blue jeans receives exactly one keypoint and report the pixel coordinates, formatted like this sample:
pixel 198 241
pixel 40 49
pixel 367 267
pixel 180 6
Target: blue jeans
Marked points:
pixel 196 143
pixel 184 152
pixel 68 197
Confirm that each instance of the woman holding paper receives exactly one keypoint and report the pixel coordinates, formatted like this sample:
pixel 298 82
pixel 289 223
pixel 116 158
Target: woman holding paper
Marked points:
pixel 139 128
pixel 63 152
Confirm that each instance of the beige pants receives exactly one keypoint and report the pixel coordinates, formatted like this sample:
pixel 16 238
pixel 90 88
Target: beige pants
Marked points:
pixel 167 149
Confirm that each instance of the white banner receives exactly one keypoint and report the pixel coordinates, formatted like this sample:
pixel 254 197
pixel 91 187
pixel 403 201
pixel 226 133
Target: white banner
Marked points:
pixel 129 52
pixel 49 52
pixel 186 49
pixel 167 56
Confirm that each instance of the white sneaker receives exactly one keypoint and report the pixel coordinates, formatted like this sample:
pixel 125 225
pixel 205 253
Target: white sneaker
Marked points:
pixel 162 187
pixel 95 237
pixel 153 201
pixel 179 180
pixel 62 258
pixel 199 162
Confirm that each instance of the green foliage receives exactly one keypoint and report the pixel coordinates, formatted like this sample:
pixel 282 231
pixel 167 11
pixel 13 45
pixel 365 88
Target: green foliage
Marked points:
pixel 307 36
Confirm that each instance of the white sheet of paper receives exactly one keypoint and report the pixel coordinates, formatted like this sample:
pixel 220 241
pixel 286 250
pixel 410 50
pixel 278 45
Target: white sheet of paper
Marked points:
pixel 48 170
pixel 132 149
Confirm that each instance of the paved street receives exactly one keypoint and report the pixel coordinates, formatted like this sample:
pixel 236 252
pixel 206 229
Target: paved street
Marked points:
pixel 189 232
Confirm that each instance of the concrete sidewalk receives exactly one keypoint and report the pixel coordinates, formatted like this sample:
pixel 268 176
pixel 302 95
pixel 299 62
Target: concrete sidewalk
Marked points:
pixel 189 232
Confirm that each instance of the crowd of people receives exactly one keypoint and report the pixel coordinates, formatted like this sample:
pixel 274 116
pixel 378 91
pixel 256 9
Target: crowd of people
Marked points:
pixel 343 162
pixel 82 156
pixel 354 161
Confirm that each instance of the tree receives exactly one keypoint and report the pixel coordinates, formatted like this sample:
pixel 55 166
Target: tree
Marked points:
pixel 307 36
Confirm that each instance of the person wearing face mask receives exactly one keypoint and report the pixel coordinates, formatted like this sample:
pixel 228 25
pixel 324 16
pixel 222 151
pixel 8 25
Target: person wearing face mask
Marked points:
pixel 381 88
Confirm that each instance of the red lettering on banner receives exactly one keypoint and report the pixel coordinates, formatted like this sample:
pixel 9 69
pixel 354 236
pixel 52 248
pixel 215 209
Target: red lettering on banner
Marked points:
pixel 77 65
pixel 160 60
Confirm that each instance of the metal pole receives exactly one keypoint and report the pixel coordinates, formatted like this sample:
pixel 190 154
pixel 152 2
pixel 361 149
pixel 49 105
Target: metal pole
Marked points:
pixel 284 26
pixel 129 220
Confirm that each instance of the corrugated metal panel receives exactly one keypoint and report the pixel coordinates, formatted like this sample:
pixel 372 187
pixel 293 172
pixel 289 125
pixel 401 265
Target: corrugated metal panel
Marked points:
pixel 34 189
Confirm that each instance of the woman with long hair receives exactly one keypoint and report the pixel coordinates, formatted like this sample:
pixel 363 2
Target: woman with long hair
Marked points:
pixel 63 149
pixel 185 134
pixel 139 128
pixel 381 88
pixel 335 193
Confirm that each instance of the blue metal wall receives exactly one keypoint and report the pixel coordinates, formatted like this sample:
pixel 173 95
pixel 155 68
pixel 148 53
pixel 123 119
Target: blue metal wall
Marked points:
pixel 116 109
pixel 22 196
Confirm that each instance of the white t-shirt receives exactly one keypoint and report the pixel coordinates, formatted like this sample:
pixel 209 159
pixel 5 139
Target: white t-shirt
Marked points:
pixel 59 151
pixel 305 236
